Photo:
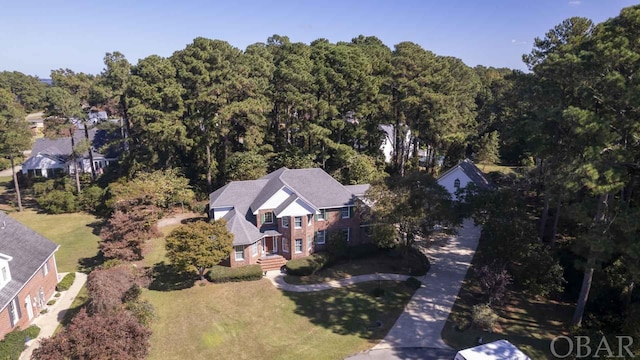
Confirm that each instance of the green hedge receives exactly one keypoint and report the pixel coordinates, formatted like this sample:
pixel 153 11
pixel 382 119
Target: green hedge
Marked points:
pixel 308 265
pixel 66 282
pixel 220 274
pixel 413 283
pixel 13 343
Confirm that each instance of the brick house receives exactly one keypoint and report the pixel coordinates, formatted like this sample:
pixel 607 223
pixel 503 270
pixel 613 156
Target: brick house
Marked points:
pixel 285 215
pixel 28 274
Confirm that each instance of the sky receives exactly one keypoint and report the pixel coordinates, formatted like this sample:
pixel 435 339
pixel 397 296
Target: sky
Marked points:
pixel 38 36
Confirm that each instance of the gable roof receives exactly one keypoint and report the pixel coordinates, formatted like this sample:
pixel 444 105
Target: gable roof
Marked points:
pixel 61 147
pixel 313 186
pixel 29 251
pixel 472 171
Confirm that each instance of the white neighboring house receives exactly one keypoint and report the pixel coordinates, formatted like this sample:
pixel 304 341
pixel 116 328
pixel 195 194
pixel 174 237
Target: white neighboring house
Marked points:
pixel 459 176
pixel 52 157
pixel 389 141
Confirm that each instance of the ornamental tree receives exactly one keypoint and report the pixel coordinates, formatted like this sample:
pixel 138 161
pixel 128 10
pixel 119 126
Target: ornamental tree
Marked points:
pixel 199 245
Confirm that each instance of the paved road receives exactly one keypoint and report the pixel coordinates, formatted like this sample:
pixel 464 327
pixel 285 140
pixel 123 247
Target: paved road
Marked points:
pixel 7 172
pixel 48 323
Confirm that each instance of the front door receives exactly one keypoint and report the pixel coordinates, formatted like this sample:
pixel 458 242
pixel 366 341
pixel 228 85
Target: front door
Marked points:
pixel 270 245
pixel 27 304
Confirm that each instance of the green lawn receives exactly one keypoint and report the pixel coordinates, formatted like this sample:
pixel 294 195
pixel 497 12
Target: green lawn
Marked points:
pixel 7 197
pixel 379 263
pixel 254 320
pixel 73 232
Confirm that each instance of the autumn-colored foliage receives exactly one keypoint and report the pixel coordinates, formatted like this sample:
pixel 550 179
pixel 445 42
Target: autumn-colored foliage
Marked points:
pixel 99 336
pixel 127 230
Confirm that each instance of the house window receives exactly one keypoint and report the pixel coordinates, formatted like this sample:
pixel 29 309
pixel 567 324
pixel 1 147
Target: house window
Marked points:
pixel 239 250
pixel 268 218
pixel 309 242
pixel 285 222
pixel 285 245
pixel 254 249
pixel 456 183
pixel 297 222
pixel 320 237
pixel 321 216
pixel 309 220
pixel 38 172
pixel 347 233
pixel 45 269
pixel 298 246
pixel 345 212
pixel 14 312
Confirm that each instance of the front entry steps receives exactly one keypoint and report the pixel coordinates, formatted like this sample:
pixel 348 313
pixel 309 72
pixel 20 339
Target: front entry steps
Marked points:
pixel 271 262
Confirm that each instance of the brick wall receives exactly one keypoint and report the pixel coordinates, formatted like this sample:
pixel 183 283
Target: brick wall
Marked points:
pixel 32 288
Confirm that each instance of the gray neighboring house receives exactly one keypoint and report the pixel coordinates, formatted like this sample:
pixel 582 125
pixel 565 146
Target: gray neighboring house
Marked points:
pixel 286 214
pixel 28 274
pixel 52 157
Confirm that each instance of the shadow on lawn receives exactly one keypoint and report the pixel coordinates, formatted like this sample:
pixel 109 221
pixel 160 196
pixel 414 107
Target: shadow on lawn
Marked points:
pixel 354 310
pixel 167 278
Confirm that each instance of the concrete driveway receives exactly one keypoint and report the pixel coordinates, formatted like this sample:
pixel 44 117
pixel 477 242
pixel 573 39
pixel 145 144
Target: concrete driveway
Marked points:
pixel 417 330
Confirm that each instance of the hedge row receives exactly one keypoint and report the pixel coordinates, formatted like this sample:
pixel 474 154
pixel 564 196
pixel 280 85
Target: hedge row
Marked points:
pixel 66 282
pixel 308 265
pixel 13 343
pixel 220 274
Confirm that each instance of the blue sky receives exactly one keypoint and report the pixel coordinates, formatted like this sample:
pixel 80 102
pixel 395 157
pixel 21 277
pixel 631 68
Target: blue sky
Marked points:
pixel 37 36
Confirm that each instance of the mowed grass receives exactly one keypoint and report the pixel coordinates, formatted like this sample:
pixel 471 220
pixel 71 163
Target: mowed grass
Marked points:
pixel 379 263
pixel 73 232
pixel 254 320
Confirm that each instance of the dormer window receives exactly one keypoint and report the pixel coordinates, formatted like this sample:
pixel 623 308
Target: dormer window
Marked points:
pixel 5 271
pixel 268 218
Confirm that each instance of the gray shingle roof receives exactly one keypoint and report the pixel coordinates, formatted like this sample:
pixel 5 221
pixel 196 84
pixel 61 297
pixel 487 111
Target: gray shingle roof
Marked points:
pixel 61 147
pixel 358 190
pixel 313 186
pixel 475 174
pixel 29 250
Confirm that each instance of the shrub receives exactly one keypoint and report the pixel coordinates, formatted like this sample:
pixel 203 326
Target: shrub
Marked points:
pixel 4 164
pixel 413 283
pixel 220 274
pixel 66 282
pixel 58 202
pixel 13 343
pixel 363 251
pixel 377 292
pixel 57 295
pixel 337 245
pixel 142 310
pixel 51 302
pixel 483 316
pixel 308 265
pixel 417 262
pixel 90 198
pixel 494 280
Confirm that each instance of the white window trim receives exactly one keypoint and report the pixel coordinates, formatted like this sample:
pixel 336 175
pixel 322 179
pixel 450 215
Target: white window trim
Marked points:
pixel 254 249
pixel 283 224
pixel 285 245
pixel 13 308
pixel 294 222
pixel 236 253
pixel 348 213
pixel 265 217
pixel 295 245
pixel 309 220
pixel 324 237
pixel 348 233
